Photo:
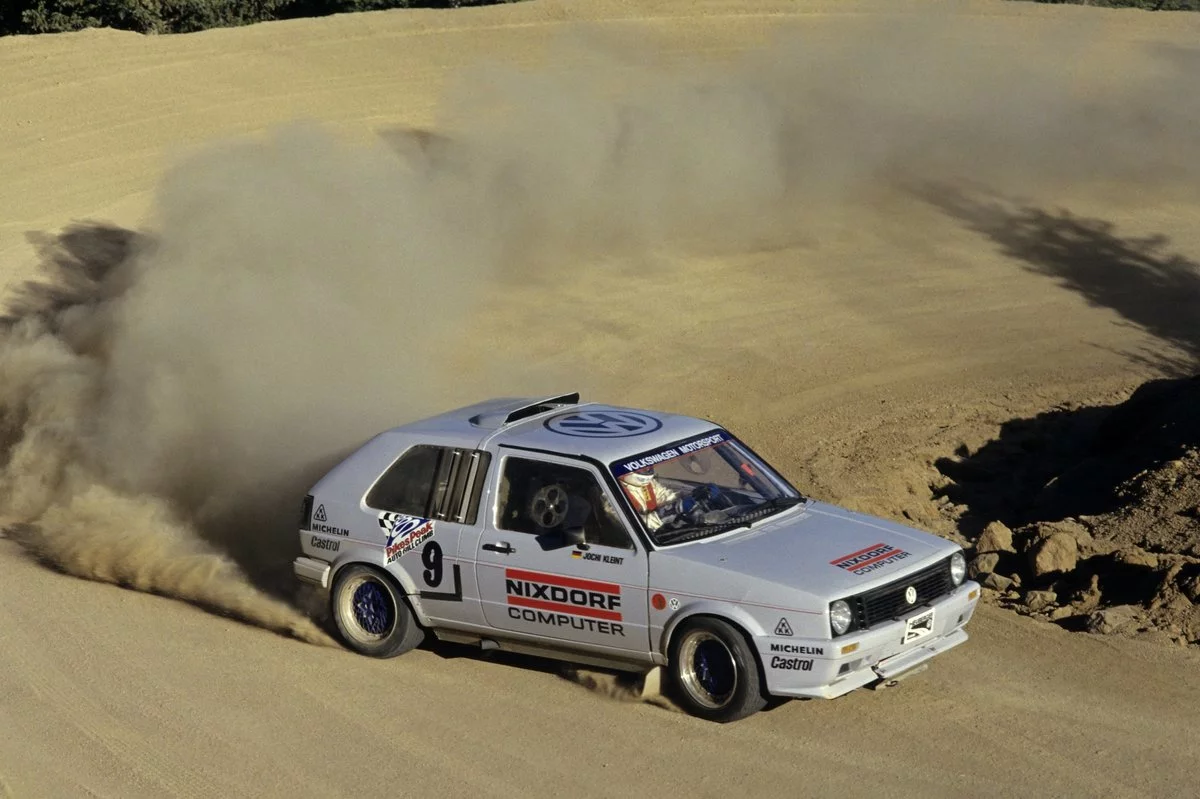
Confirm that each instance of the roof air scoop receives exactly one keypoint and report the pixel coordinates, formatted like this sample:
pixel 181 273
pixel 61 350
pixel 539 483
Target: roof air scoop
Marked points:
pixel 541 406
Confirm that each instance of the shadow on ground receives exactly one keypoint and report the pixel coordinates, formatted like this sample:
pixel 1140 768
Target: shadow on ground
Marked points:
pixel 1068 461
pixel 1152 288
pixel 1072 461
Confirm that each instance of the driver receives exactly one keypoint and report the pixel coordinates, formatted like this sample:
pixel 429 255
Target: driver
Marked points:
pixel 655 502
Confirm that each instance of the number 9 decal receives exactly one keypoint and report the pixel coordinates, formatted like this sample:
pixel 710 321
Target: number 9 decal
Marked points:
pixel 431 557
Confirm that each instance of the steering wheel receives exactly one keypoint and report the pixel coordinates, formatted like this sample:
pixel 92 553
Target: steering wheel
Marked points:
pixel 710 497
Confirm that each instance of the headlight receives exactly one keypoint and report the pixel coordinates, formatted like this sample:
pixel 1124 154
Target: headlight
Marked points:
pixel 958 568
pixel 839 616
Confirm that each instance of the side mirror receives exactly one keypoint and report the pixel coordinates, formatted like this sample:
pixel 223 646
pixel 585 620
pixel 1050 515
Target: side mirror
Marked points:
pixel 573 536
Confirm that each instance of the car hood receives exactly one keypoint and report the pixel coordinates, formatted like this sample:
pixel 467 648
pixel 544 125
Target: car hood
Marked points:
pixel 816 549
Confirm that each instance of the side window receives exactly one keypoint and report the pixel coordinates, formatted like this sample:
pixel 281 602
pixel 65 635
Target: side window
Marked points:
pixel 433 483
pixel 406 486
pixel 537 497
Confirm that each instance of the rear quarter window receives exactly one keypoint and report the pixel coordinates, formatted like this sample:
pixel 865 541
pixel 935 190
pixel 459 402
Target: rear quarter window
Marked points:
pixel 433 483
pixel 406 486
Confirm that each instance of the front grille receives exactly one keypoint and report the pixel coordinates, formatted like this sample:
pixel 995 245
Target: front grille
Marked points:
pixel 887 602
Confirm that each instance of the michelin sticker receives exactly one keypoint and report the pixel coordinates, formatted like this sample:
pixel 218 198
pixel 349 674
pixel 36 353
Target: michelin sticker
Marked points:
pixel 405 533
pixel 318 524
pixel 602 424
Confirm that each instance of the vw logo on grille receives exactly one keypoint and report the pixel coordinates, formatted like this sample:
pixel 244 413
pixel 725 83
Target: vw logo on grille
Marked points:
pixel 910 595
pixel 603 424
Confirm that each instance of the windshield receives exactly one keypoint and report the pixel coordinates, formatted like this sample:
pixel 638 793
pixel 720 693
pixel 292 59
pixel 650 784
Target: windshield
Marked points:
pixel 701 486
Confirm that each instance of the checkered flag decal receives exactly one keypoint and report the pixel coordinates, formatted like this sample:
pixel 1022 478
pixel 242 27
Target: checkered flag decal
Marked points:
pixel 387 520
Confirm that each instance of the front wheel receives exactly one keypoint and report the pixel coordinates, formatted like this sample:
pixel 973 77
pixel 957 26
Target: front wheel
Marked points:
pixel 371 614
pixel 714 673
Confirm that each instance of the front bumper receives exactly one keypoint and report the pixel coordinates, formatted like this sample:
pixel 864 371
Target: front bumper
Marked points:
pixel 825 669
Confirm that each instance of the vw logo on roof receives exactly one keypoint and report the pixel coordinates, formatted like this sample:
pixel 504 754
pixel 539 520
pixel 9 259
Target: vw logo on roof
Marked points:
pixel 603 424
pixel 910 595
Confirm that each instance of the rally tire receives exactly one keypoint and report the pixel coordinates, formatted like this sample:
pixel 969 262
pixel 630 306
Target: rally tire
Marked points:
pixel 371 614
pixel 713 671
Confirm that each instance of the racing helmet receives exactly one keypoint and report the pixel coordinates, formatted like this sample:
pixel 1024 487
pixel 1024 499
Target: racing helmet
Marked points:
pixel 639 488
pixel 638 479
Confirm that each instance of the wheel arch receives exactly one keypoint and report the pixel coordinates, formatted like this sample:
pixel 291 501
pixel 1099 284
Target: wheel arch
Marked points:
pixel 732 614
pixel 734 620
pixel 402 581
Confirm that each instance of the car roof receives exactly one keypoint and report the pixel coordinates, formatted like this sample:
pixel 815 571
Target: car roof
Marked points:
pixel 562 425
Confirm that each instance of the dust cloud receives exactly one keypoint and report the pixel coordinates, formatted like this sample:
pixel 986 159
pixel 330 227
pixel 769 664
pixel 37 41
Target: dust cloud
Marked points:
pixel 623 686
pixel 162 412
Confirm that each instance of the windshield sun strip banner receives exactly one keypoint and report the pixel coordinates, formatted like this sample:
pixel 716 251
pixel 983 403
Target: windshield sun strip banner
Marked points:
pixel 669 453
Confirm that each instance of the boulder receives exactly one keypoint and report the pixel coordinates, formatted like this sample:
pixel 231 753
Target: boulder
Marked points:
pixel 1191 589
pixel 1055 554
pixel 997 582
pixel 1040 600
pixel 984 564
pixel 995 538
pixel 1120 618
pixel 1136 556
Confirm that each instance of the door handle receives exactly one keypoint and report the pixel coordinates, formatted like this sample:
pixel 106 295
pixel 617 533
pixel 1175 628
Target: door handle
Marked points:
pixel 504 548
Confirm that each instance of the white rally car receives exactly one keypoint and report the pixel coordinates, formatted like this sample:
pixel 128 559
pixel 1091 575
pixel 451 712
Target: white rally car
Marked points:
pixel 624 538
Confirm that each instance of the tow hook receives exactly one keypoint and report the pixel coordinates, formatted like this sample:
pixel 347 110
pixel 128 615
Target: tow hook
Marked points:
pixel 893 681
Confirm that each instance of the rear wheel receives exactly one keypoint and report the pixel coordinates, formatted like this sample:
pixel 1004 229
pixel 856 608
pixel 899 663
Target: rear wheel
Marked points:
pixel 371 614
pixel 714 673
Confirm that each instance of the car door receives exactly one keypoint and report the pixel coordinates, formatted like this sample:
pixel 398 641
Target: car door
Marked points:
pixel 532 580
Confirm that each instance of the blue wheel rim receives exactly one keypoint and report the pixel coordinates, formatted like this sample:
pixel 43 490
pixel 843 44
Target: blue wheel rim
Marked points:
pixel 714 669
pixel 373 608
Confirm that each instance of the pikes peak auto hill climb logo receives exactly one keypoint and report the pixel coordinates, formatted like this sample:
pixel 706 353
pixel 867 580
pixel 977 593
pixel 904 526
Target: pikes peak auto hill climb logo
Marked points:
pixel 405 533
pixel 602 424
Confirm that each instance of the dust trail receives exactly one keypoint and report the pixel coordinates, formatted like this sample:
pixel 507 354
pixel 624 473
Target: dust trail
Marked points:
pixel 166 400
pixel 623 687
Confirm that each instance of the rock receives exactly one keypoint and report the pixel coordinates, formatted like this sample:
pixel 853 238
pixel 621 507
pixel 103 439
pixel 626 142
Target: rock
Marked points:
pixel 1191 589
pixel 1061 613
pixel 1191 625
pixel 984 564
pixel 1135 556
pixel 1038 600
pixel 1112 620
pixel 1016 579
pixel 1058 553
pixel 995 538
pixel 997 582
pixel 1040 532
pixel 1089 599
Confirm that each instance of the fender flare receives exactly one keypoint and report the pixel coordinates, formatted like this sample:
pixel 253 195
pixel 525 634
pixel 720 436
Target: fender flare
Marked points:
pixel 368 556
pixel 731 613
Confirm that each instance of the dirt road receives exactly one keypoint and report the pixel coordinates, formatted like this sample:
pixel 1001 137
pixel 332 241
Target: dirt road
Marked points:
pixel 890 324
